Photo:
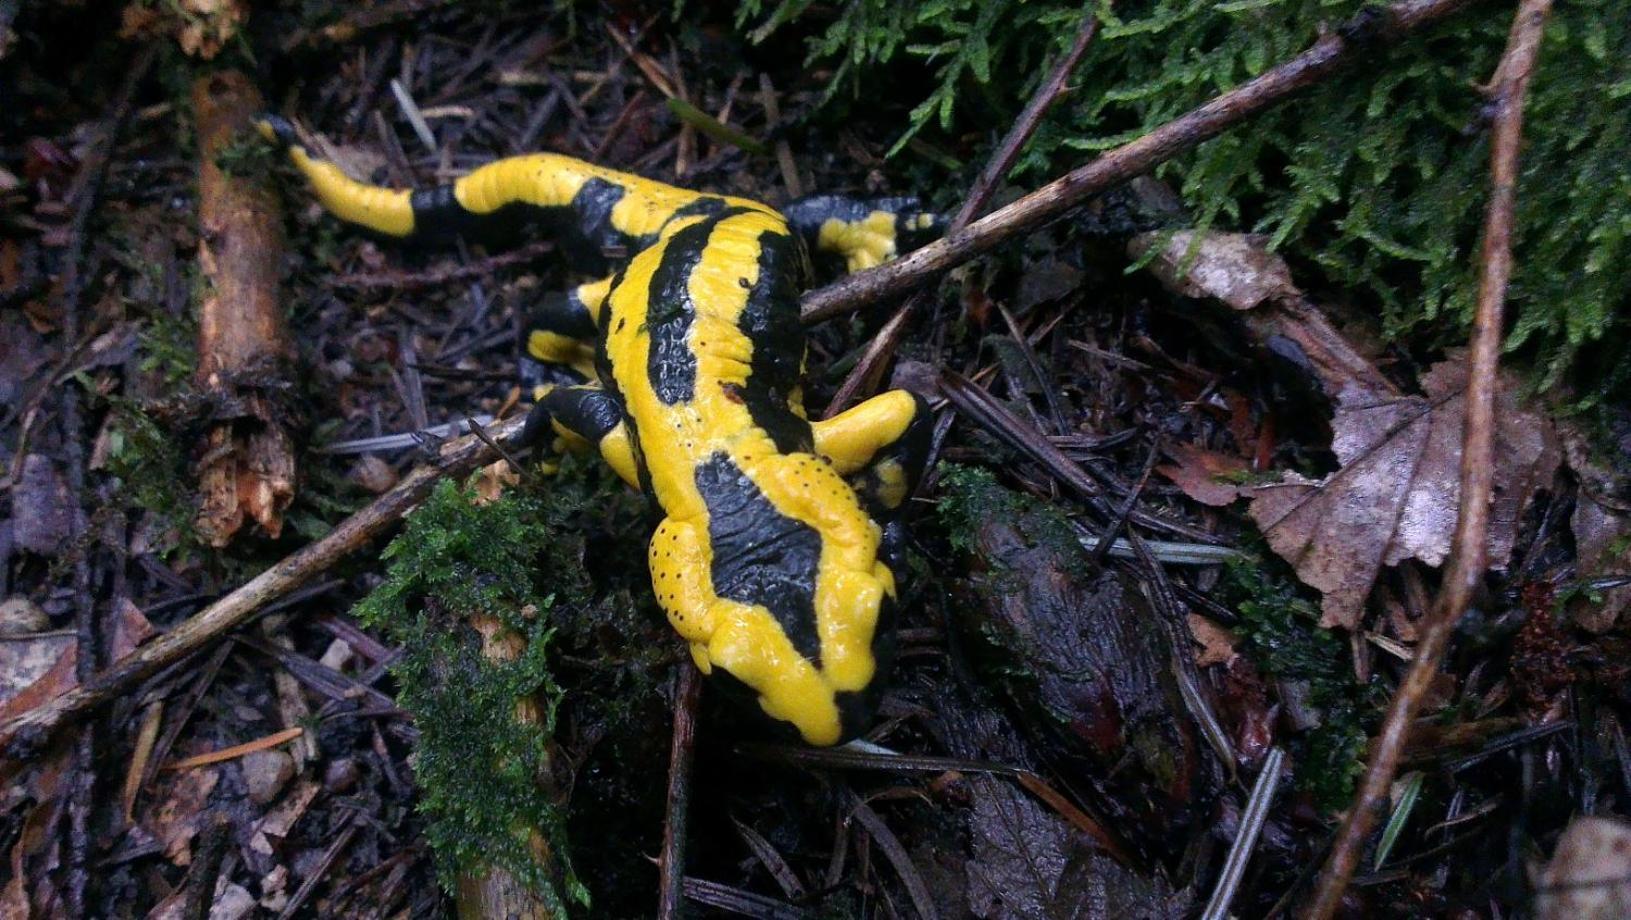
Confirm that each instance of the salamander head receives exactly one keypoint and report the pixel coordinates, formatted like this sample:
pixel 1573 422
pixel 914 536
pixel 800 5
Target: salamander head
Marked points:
pixel 780 585
pixel 805 698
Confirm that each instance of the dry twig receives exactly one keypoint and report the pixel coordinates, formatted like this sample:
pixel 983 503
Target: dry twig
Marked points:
pixel 671 889
pixel 868 372
pixel 1468 560
pixel 25 735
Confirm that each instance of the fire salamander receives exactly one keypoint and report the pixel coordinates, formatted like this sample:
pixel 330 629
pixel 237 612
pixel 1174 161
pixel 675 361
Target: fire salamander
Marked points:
pixel 779 547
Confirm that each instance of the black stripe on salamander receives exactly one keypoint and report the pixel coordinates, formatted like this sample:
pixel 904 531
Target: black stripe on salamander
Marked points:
pixel 771 322
pixel 671 365
pixel 438 214
pixel 564 313
pixel 592 211
pixel 761 556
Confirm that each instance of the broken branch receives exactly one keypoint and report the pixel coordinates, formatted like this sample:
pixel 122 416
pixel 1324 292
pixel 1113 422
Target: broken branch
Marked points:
pixel 1470 548
pixel 25 735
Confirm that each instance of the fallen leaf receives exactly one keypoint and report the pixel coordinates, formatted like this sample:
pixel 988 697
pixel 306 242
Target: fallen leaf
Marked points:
pixel 230 902
pixel 1602 540
pixel 1026 862
pixel 493 479
pixel 1206 476
pixel 176 810
pixel 1589 877
pixel 22 355
pixel 37 669
pixel 1235 268
pixel 1217 644
pixel 42 509
pixel 1396 494
pixel 40 668
pixel 282 818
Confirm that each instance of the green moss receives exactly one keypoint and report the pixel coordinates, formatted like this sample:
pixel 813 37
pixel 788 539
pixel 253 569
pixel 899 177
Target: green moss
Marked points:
pixel 247 156
pixel 1374 182
pixel 480 770
pixel 971 495
pixel 150 464
pixel 1280 634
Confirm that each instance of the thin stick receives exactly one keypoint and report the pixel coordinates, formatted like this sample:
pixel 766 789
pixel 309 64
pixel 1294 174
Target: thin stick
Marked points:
pixel 671 885
pixel 1029 120
pixel 237 750
pixel 1471 546
pixel 868 372
pixel 1355 41
pixel 25 736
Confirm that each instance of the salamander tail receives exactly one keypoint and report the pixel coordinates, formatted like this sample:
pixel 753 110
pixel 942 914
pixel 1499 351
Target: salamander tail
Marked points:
pixel 383 210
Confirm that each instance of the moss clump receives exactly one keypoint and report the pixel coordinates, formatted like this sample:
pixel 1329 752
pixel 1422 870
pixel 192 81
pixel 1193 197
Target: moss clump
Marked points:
pixel 970 496
pixel 1374 182
pixel 1282 637
pixel 478 768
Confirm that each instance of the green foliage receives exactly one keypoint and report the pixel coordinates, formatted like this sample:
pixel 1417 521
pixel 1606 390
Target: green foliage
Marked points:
pixel 1282 637
pixel 970 496
pixel 150 464
pixel 479 769
pixel 1374 182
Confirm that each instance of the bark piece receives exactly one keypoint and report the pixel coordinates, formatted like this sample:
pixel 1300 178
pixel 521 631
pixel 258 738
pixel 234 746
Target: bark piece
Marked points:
pixel 1087 664
pixel 244 350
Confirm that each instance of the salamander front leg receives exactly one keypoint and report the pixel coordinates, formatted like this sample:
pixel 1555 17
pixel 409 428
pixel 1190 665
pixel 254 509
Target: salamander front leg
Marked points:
pixel 880 446
pixel 584 417
pixel 864 232
pixel 561 333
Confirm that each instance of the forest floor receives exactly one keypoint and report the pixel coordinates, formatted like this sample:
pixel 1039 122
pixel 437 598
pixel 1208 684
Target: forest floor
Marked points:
pixel 1181 545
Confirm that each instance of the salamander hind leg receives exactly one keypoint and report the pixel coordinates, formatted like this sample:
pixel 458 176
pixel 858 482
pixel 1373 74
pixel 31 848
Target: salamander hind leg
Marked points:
pixel 880 446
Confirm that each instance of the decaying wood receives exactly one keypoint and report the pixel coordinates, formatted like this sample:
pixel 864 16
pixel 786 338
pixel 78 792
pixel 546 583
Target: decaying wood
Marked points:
pixel 1469 554
pixel 496 893
pixel 23 736
pixel 1344 46
pixel 244 351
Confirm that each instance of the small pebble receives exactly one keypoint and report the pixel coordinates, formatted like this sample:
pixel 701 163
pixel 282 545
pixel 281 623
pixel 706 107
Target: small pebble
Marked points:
pixel 373 474
pixel 340 775
pixel 265 774
pixel 337 655
pixel 20 616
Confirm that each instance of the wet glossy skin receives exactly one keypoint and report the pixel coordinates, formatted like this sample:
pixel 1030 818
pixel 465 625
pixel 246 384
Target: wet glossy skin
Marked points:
pixel 775 558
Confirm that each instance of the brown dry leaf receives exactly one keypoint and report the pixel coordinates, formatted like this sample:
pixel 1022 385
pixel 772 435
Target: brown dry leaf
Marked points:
pixel 1396 494
pixel 177 808
pixel 492 479
pixel 39 668
pixel 1236 268
pixel 1217 644
pixel 283 817
pixel 1602 539
pixel 1205 475
pixel 1589 877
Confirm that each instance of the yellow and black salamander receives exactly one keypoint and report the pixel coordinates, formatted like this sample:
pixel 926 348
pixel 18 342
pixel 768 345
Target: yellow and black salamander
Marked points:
pixel 778 552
